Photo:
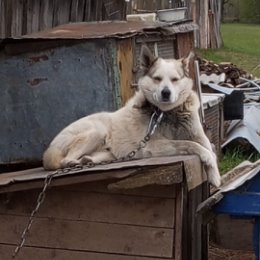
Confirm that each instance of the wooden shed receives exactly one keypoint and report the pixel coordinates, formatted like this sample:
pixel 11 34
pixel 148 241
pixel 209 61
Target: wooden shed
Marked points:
pixel 142 209
pixel 51 78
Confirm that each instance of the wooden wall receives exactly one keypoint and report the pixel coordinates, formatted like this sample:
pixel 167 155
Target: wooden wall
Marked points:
pixel 207 14
pixel 86 221
pixel 19 17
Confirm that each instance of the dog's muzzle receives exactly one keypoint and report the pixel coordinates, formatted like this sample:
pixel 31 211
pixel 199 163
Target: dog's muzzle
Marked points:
pixel 166 94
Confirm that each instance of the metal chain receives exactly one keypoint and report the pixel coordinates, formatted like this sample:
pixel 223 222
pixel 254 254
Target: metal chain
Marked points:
pixel 154 122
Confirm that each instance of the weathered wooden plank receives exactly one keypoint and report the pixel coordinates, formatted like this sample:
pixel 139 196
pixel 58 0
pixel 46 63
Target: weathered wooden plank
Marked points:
pixel 89 236
pixel 158 191
pixel 113 10
pixel 46 14
pixel 204 228
pixel 8 18
pixel 157 175
pixel 17 17
pixel 186 227
pixel 92 206
pixel 125 64
pixel 87 12
pixel 185 44
pixel 193 232
pixel 61 12
pixel 203 22
pixel 19 186
pixel 195 197
pixel 31 24
pixel 32 253
pixel 2 19
pixel 179 223
pixel 34 177
pixel 77 10
pixel 35 15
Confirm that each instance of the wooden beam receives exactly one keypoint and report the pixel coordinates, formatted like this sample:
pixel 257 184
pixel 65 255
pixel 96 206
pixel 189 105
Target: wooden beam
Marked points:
pixel 89 236
pixel 158 175
pixel 40 253
pixel 125 59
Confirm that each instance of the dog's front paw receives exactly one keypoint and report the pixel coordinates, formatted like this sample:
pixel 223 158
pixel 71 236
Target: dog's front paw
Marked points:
pixel 207 157
pixel 214 177
pixel 211 166
pixel 86 160
pixel 69 163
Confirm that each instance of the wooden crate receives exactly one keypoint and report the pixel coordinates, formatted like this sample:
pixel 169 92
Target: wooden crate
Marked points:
pixel 82 219
pixel 214 120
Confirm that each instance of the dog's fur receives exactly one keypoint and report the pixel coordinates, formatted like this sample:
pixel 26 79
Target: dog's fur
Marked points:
pixel 111 135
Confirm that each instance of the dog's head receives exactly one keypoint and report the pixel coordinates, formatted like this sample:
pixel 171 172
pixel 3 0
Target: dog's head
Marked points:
pixel 164 82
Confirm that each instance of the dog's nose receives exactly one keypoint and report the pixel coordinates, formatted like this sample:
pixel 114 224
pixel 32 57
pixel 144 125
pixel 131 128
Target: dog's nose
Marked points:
pixel 166 93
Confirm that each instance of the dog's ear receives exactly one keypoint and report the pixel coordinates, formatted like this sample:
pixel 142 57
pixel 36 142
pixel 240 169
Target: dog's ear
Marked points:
pixel 147 59
pixel 186 62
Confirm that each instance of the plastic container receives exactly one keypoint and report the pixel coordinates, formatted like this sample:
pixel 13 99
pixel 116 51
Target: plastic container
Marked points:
pixel 171 15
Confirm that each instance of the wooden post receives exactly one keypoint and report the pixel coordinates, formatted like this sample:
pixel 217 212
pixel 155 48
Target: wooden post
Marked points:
pixel 256 238
pixel 125 56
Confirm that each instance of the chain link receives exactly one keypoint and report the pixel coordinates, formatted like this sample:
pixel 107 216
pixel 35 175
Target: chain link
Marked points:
pixel 154 122
pixel 40 200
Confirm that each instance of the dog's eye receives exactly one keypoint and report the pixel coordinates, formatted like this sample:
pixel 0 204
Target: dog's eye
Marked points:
pixel 174 79
pixel 157 78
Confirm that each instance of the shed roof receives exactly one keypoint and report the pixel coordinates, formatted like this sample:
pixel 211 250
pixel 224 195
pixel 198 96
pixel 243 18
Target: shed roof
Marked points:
pixel 118 29
pixel 33 178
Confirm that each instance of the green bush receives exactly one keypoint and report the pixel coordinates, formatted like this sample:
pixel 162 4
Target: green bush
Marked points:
pixel 249 11
pixel 244 11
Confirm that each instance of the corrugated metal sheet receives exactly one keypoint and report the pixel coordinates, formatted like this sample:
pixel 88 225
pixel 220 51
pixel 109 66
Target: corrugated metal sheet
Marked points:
pixel 248 128
pixel 42 92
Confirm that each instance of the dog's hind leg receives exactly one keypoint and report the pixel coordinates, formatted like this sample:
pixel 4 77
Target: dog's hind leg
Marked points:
pixel 164 147
pixel 83 144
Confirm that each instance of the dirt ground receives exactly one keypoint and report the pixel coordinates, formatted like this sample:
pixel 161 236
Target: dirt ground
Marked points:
pixel 216 253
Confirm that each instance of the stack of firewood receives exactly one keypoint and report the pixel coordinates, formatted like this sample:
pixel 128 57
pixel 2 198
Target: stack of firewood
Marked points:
pixel 231 71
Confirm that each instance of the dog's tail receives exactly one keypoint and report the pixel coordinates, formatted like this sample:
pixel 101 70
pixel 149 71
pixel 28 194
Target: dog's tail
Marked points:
pixel 52 158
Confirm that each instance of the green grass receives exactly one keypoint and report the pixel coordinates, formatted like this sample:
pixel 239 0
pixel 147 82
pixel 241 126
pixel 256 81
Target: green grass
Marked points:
pixel 233 157
pixel 241 47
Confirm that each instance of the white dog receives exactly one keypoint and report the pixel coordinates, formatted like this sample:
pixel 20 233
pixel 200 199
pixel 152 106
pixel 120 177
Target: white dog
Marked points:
pixel 165 86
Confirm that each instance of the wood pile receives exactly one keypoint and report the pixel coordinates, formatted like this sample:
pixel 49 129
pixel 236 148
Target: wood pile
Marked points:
pixel 231 71
pixel 228 75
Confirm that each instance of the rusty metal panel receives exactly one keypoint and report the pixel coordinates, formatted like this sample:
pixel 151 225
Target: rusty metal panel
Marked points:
pixel 115 29
pixel 120 29
pixel 42 92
